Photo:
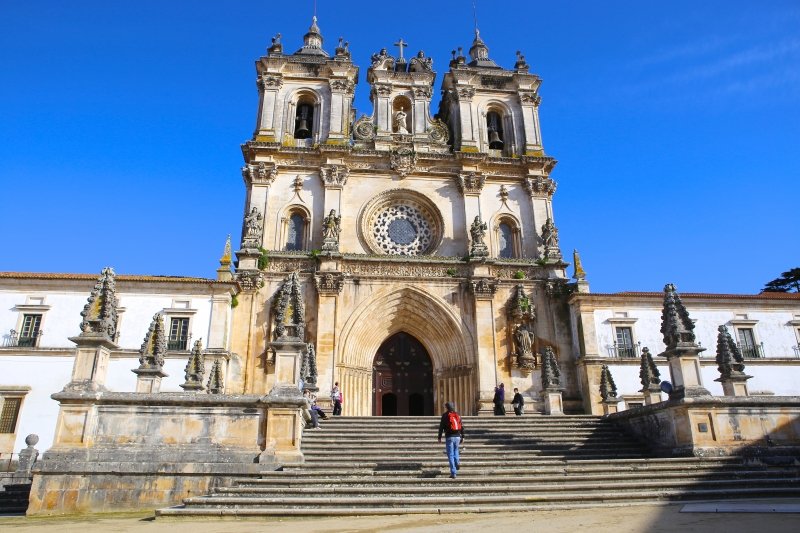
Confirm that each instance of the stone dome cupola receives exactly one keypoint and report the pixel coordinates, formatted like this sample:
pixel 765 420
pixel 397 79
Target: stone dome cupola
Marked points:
pixel 312 41
pixel 479 53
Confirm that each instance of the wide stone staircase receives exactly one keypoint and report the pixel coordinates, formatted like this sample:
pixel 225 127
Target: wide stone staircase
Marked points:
pixel 372 465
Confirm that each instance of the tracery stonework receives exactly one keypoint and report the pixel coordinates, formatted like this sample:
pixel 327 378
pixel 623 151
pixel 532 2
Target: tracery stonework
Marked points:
pixel 400 223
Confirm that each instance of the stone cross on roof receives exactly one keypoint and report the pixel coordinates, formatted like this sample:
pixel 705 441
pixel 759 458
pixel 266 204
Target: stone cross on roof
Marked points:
pixel 401 44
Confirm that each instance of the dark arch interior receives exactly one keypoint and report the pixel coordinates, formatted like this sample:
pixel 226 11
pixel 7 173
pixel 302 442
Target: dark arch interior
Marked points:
pixel 402 378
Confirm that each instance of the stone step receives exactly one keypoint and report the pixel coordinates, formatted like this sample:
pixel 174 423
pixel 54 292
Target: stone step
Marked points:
pixel 552 495
pixel 504 477
pixel 444 485
pixel 325 434
pixel 365 509
pixel 434 459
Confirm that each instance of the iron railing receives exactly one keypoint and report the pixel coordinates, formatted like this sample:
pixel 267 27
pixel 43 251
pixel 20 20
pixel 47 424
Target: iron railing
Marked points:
pixel 796 351
pixel 14 339
pixel 752 351
pixel 179 344
pixel 625 351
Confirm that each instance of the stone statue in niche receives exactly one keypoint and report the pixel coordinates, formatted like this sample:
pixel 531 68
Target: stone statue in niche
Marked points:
pixel 524 339
pixel 477 231
pixel 331 227
pixel 400 122
pixel 550 240
pixel 252 229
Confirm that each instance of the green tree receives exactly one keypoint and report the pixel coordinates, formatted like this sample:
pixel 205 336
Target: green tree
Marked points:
pixel 788 282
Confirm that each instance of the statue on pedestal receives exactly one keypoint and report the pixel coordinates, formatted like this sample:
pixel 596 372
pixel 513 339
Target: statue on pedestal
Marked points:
pixel 331 227
pixel 477 231
pixel 252 229
pixel 400 122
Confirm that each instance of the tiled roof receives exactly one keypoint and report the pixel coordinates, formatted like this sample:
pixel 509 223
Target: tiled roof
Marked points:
pixel 709 295
pixel 119 277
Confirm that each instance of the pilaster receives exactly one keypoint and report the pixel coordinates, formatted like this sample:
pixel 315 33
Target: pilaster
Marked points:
pixel 483 290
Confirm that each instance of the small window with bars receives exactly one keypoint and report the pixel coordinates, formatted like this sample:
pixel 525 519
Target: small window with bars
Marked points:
pixel 178 334
pixel 9 414
pixel 29 332
pixel 624 345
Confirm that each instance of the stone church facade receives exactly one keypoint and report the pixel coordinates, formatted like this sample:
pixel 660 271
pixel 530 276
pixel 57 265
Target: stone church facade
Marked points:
pixel 418 253
pixel 423 242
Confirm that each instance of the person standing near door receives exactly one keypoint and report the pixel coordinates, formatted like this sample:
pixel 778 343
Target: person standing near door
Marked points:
pixel 518 402
pixel 336 399
pixel 499 400
pixel 453 429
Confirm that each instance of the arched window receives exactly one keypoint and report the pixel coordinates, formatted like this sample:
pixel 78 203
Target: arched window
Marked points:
pixel 505 241
pixel 296 232
pixel 304 119
pixel 494 129
pixel 508 243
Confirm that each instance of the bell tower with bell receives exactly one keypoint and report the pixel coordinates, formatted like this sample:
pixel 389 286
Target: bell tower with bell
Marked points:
pixel 489 109
pixel 305 98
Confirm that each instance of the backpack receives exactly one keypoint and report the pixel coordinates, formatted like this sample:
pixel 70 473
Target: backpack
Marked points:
pixel 454 421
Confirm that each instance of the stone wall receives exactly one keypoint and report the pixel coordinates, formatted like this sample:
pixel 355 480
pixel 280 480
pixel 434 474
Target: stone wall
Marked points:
pixel 118 451
pixel 717 426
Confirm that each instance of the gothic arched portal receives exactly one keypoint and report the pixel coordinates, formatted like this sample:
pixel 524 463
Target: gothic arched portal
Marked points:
pixel 403 375
pixel 438 330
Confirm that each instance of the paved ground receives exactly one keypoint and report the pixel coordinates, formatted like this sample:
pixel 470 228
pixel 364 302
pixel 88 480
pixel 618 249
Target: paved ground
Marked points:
pixel 641 518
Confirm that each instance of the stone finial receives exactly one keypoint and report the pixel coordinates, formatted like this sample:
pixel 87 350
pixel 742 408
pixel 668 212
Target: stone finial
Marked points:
pixel 552 251
pixel 730 362
pixel 215 385
pixel 477 231
pixel 608 389
pixel 342 51
pixel 276 48
pixel 521 65
pixel 225 260
pixel 551 375
pixel 579 273
pixel 308 367
pixel 151 354
pixel 100 312
pixel 676 326
pixel 289 311
pixel 648 373
pixel 195 368
pixel 27 457
pixel 331 228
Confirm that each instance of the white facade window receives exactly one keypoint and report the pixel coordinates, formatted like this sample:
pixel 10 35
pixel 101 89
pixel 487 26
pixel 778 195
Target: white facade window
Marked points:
pixel 30 330
pixel 747 343
pixel 178 333
pixel 625 345
pixel 30 323
pixel 11 400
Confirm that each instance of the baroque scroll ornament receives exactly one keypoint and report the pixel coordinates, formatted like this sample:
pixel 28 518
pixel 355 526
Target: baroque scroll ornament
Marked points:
pixel 364 129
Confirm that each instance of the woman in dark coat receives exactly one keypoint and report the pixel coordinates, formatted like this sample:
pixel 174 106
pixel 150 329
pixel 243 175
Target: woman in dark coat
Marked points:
pixel 499 399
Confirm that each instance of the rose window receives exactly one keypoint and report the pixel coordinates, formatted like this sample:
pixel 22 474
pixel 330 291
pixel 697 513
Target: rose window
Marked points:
pixel 401 222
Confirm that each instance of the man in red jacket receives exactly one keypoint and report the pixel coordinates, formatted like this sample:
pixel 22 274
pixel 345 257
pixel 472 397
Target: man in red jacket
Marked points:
pixel 453 430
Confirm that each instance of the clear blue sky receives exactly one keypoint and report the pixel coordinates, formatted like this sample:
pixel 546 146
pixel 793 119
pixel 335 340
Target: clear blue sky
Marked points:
pixel 676 126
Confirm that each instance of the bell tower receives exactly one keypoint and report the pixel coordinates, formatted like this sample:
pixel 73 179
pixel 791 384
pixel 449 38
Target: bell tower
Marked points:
pixel 489 109
pixel 305 98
